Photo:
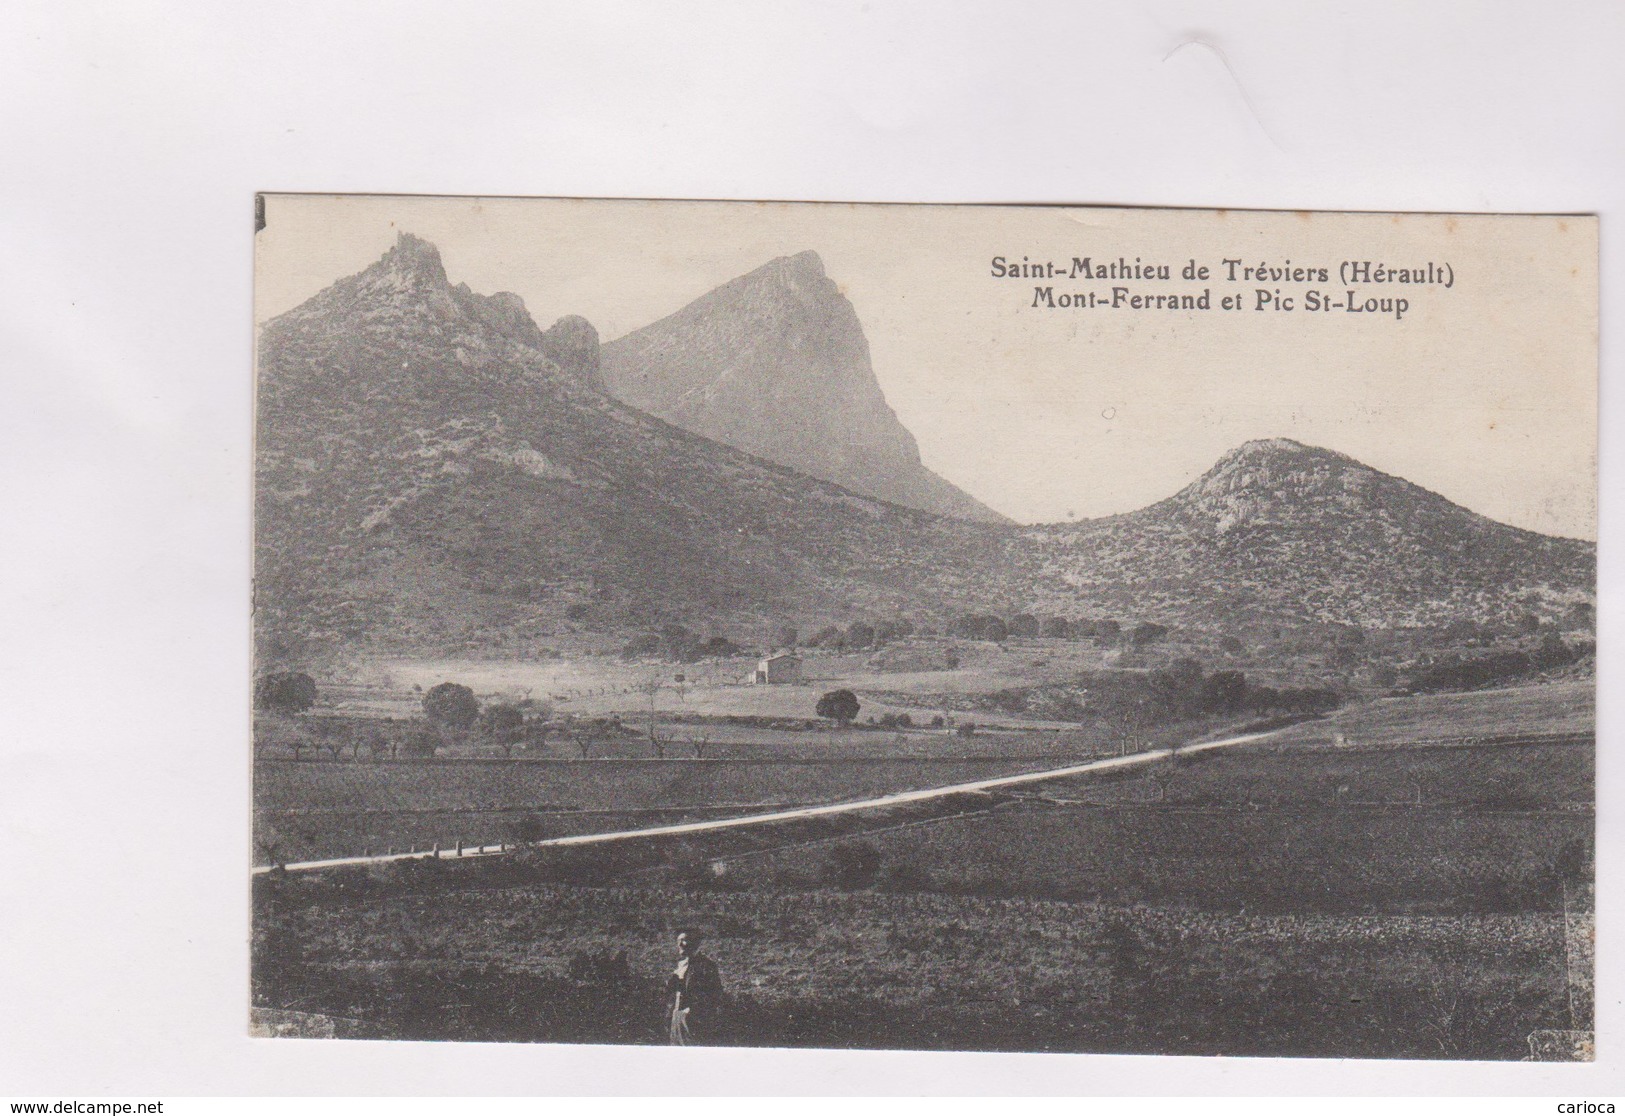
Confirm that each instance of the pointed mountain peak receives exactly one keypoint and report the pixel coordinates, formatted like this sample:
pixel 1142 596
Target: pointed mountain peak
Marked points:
pixel 405 294
pixel 412 258
pixel 802 265
pixel 775 362
pixel 801 276
pixel 806 264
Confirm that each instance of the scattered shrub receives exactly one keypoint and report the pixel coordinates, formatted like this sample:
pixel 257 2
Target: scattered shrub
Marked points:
pixel 285 692
pixel 840 706
pixel 451 704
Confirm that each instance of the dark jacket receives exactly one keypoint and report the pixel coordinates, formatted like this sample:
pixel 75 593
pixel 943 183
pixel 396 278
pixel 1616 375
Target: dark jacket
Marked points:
pixel 700 984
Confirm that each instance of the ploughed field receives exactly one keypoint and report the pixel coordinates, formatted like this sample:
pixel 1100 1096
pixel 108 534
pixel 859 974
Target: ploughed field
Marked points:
pixel 1429 830
pixel 898 970
pixel 313 810
pixel 1383 901
pixel 1553 708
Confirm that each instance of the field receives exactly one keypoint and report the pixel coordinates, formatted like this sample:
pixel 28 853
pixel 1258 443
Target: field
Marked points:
pixel 311 810
pixel 1558 707
pixel 1370 900
pixel 1432 831
pixel 882 970
pixel 903 679
pixel 315 808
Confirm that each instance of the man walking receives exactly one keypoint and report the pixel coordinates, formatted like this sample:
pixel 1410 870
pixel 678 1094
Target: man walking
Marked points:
pixel 693 993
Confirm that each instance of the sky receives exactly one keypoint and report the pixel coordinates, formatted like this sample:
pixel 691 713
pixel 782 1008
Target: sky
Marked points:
pixel 1483 391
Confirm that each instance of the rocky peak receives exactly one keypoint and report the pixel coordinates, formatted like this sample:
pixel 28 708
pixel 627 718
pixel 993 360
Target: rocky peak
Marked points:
pixel 791 294
pixel 414 255
pixel 1270 462
pixel 406 290
pixel 1271 480
pixel 504 312
pixel 406 281
pixel 803 267
pixel 572 343
pixel 775 362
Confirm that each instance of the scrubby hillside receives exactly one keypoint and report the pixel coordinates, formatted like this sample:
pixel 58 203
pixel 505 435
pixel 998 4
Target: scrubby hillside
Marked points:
pixel 1277 529
pixel 436 474
pixel 433 473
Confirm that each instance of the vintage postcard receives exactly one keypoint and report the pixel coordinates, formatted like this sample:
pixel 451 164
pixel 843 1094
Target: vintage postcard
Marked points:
pixel 925 627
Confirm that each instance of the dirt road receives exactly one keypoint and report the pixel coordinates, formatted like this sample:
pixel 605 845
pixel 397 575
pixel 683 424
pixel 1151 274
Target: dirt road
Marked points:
pixel 882 802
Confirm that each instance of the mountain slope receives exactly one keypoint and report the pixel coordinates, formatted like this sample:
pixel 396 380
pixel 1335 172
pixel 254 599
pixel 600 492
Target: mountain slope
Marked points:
pixel 436 474
pixel 776 363
pixel 431 475
pixel 1277 529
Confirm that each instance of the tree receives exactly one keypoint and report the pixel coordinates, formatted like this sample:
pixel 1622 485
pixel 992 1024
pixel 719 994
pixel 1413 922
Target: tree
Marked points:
pixel 721 647
pixel 682 645
pixel 1186 672
pixel 1023 626
pixel 451 705
pixel 859 635
pixel 641 646
pixel 1055 627
pixel 975 625
pixel 285 692
pixel 1384 675
pixel 840 706
pixel 536 729
pixel 890 631
pixel 1224 691
pixel 584 734
pixel 331 734
pixel 504 725
pixel 420 741
pixel 785 637
pixel 1146 634
pixel 827 636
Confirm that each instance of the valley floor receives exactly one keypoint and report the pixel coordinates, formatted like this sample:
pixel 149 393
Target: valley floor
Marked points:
pixel 919 971
pixel 1376 900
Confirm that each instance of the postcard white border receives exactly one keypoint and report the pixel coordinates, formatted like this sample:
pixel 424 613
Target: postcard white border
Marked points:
pixel 137 138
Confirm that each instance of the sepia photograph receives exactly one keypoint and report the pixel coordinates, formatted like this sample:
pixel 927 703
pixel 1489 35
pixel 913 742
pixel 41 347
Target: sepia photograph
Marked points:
pixel 862 548
pixel 924 627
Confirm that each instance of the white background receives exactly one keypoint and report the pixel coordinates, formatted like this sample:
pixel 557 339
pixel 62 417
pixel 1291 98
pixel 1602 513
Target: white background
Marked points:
pixel 132 139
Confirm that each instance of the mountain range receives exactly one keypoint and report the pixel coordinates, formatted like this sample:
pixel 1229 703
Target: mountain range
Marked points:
pixel 435 473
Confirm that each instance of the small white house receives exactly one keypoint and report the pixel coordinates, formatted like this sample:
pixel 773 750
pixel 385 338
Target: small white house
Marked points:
pixel 780 669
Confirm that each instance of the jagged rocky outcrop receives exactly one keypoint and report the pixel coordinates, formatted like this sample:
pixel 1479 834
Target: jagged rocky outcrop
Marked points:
pixel 776 363
pixel 435 474
pixel 572 342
